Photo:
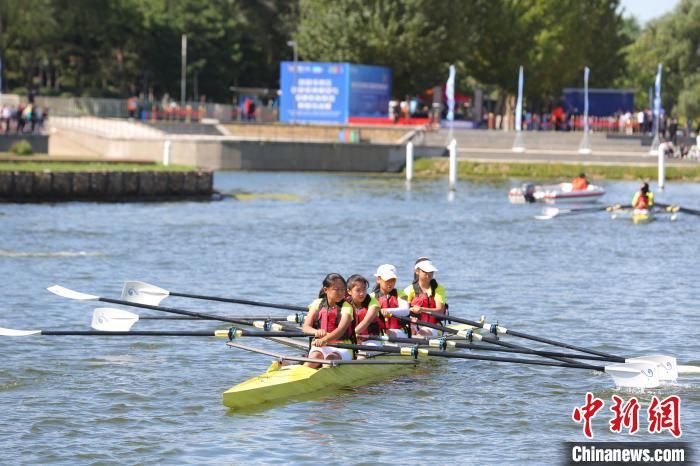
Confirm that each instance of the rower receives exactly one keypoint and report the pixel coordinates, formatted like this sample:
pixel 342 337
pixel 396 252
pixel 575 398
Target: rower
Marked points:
pixel 579 183
pixel 330 321
pixel 426 296
pixel 368 320
pixel 643 199
pixel 391 301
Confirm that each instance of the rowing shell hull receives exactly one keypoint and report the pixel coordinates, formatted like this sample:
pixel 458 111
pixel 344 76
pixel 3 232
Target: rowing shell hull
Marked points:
pixel 285 382
pixel 641 216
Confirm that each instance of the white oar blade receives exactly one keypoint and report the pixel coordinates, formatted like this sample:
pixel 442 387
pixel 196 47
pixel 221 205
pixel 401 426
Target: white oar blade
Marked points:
pixel 688 369
pixel 107 319
pixel 548 213
pixel 634 374
pixel 667 366
pixel 143 293
pixel 10 332
pixel 70 294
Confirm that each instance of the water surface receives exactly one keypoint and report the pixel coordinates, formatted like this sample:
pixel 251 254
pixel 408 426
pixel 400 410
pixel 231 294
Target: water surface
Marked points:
pixel 586 279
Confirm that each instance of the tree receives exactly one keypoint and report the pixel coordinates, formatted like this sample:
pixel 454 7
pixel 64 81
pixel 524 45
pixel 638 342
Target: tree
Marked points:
pixel 417 39
pixel 674 41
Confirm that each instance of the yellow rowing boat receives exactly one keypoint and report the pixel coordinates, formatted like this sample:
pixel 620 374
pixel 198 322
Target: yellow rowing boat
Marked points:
pixel 285 382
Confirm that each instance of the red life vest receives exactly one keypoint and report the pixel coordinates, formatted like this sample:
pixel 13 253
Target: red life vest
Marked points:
pixel 328 318
pixel 642 202
pixel 423 300
pixel 376 325
pixel 387 302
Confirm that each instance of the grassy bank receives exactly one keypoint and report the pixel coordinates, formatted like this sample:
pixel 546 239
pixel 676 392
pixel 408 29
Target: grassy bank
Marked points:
pixel 558 171
pixel 89 166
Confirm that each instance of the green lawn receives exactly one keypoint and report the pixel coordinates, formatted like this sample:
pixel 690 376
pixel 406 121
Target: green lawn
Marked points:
pixel 89 166
pixel 541 171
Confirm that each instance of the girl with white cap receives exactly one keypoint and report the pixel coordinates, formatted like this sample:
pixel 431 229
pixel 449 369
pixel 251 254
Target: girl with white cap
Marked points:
pixel 426 296
pixel 330 320
pixel 391 301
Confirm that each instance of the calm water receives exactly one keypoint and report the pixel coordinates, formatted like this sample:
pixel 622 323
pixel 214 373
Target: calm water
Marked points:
pixel 585 279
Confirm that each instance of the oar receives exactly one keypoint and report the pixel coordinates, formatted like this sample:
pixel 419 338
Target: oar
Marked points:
pixel 71 294
pixel 549 213
pixel 231 333
pixel 145 293
pixel 107 319
pixel 642 374
pixel 500 330
pixel 677 208
pixel 110 320
pixel 327 362
pixel 444 344
pixel 470 335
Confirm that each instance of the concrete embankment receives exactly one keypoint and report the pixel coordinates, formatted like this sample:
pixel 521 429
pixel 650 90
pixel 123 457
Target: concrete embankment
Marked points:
pixel 105 186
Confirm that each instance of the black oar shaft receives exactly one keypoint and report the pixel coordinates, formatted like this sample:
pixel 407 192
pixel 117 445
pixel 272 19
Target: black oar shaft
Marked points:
pixel 174 311
pixel 562 345
pixel 455 355
pixel 281 319
pixel 535 338
pixel 491 340
pixel 155 333
pixel 240 301
pixel 471 346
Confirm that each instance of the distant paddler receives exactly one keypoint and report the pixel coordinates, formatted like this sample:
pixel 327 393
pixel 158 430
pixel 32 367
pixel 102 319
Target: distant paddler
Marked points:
pixel 643 199
pixel 330 320
pixel 391 301
pixel 425 296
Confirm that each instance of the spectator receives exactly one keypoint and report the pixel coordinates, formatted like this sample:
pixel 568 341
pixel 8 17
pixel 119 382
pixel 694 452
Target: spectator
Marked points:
pixel 132 106
pixel 251 111
pixel 7 117
pixel 19 116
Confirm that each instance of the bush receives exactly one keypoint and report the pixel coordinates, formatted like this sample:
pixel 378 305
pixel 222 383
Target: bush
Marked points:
pixel 21 148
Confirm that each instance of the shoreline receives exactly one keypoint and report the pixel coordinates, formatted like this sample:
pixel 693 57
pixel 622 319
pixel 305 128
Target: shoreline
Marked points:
pixel 500 170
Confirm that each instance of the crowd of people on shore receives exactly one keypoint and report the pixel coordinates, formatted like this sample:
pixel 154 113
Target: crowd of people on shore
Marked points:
pixel 346 312
pixel 24 118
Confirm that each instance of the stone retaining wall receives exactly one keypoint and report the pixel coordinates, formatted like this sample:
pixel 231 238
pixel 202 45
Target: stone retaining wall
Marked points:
pixel 105 186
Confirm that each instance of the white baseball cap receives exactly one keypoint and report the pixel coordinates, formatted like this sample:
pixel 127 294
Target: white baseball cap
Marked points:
pixel 386 272
pixel 425 266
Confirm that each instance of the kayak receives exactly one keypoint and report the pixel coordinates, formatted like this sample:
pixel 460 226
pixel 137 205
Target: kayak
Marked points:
pixel 556 193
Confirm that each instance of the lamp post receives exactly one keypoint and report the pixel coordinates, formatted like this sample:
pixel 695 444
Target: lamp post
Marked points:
pixel 183 69
pixel 293 44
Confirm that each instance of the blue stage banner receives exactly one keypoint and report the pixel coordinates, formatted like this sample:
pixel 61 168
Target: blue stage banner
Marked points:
pixel 314 92
pixel 370 91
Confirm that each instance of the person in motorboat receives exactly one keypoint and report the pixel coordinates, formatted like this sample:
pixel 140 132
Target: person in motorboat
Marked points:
pixel 391 301
pixel 330 320
pixel 579 183
pixel 426 297
pixel 643 199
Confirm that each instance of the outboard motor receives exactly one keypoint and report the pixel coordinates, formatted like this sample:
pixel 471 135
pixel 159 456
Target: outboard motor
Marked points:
pixel 529 192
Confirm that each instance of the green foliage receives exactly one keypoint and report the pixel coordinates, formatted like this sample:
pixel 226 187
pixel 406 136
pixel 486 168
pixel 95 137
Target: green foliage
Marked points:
pixel 417 39
pixel 34 166
pixel 674 41
pixel 21 148
pixel 551 171
pixel 124 47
